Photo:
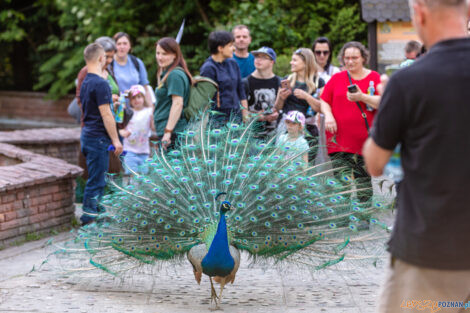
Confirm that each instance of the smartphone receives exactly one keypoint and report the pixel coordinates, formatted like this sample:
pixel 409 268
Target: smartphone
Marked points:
pixel 285 84
pixel 352 88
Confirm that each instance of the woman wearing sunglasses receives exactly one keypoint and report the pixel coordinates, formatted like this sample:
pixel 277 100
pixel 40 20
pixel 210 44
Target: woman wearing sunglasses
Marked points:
pixel 323 54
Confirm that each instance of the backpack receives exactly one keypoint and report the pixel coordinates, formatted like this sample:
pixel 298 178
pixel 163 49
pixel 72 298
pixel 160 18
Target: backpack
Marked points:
pixel 200 95
pixel 134 61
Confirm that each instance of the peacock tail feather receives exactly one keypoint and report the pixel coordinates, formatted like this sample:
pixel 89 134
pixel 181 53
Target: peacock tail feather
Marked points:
pixel 284 210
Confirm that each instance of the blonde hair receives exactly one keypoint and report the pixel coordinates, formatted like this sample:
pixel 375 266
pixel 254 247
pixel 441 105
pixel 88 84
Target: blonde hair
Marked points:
pixel 311 70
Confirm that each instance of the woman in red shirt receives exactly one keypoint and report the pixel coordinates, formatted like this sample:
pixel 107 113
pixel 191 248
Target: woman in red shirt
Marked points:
pixel 345 125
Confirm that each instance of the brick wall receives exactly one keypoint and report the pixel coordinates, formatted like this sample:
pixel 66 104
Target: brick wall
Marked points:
pixel 64 151
pixel 36 208
pixel 36 195
pixel 61 143
pixel 34 106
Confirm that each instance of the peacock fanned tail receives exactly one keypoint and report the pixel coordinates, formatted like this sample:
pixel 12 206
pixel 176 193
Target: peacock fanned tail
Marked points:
pixel 284 210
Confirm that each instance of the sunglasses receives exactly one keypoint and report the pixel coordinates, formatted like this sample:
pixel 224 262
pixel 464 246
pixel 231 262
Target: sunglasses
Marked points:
pixel 320 52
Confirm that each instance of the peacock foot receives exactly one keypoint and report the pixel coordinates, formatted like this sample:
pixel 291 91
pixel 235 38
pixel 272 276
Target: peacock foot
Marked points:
pixel 215 299
pixel 214 296
pixel 216 308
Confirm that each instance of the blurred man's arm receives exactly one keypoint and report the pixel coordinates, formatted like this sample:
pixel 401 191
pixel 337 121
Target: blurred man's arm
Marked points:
pixel 375 157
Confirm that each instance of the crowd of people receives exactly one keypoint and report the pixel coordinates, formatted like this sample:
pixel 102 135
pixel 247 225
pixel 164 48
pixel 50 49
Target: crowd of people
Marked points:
pixel 432 115
pixel 248 88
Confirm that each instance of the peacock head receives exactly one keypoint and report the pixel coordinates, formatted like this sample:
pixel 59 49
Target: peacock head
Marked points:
pixel 225 207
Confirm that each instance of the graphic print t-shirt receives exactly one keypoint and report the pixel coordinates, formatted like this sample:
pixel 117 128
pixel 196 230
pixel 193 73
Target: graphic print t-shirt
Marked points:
pixel 261 95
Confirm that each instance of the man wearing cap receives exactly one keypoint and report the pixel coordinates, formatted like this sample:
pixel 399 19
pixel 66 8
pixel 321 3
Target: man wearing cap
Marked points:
pixel 261 89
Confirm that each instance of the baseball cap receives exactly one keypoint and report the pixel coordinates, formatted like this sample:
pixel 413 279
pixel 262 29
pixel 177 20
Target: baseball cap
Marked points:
pixel 136 89
pixel 296 117
pixel 266 50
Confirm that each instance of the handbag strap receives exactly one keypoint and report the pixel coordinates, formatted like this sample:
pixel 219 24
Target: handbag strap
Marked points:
pixel 363 114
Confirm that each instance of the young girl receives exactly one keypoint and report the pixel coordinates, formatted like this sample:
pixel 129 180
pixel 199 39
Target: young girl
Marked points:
pixel 137 132
pixel 293 142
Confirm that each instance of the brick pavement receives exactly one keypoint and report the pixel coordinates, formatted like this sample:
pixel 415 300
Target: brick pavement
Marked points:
pixel 341 288
pixel 173 289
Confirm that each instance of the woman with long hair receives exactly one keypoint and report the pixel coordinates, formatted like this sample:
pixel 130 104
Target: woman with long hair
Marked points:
pixel 172 92
pixel 300 90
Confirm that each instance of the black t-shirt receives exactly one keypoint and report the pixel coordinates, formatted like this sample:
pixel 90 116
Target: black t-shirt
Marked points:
pixel 261 96
pixel 426 108
pixel 95 91
pixel 293 103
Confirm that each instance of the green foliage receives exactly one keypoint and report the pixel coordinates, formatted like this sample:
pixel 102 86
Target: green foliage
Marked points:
pixel 74 222
pixel 10 29
pixel 347 26
pixel 282 65
pixel 62 28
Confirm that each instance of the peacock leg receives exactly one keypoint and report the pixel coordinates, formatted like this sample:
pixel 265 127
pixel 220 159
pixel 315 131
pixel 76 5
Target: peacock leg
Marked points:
pixel 222 285
pixel 214 296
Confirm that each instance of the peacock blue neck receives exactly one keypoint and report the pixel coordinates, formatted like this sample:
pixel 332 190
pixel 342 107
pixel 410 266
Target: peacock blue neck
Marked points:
pixel 218 261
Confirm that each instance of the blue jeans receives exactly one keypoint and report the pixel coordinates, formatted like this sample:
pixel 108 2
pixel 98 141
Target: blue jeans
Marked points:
pixel 95 150
pixel 136 162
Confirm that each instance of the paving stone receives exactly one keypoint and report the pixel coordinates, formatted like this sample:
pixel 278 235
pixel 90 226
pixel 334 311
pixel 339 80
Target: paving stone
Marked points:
pixel 257 289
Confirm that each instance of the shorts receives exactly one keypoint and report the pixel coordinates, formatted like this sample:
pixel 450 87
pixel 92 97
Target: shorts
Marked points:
pixel 410 288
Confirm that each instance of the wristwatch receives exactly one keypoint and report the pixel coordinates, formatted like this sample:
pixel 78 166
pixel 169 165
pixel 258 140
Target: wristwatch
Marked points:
pixel 167 131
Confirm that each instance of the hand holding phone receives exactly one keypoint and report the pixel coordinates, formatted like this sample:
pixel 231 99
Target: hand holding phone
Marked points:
pixel 352 88
pixel 285 84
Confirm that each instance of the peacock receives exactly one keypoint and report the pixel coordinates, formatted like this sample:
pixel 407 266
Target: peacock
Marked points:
pixel 222 192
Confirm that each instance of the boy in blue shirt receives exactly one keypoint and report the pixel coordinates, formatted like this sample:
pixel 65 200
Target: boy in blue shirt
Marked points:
pixel 98 132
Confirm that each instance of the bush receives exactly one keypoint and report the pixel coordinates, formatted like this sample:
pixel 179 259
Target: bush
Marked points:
pixel 58 30
pixel 282 65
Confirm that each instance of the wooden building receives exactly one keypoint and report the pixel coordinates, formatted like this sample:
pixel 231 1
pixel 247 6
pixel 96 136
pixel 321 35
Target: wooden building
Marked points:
pixel 389 29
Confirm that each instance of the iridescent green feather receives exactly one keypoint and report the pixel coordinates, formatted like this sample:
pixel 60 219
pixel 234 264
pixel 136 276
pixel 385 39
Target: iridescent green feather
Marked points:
pixel 282 209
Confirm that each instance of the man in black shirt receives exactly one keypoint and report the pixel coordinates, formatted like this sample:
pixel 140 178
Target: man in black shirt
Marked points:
pixel 261 90
pixel 426 108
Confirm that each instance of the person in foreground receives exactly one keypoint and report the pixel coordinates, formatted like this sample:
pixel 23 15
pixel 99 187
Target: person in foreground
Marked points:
pixel 425 107
pixel 98 131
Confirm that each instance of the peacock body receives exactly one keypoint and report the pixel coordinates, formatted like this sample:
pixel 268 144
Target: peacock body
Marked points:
pixel 275 209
